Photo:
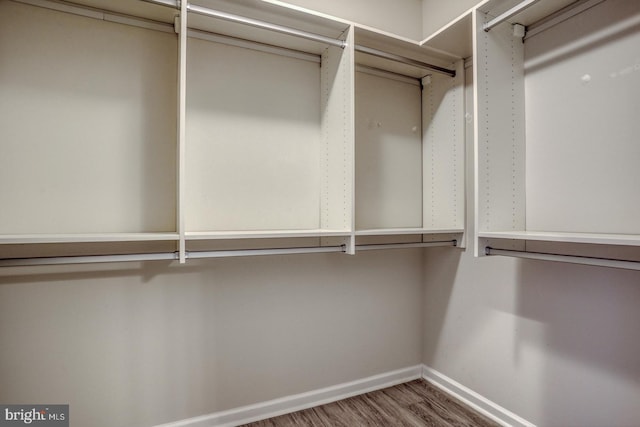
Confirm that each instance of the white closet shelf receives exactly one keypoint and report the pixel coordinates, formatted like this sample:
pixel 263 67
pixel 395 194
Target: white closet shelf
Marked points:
pixel 405 231
pixel 394 45
pixel 97 8
pixel 454 38
pixel 532 14
pixel 263 234
pixel 234 19
pixel 280 14
pixel 165 11
pixel 551 236
pixel 85 238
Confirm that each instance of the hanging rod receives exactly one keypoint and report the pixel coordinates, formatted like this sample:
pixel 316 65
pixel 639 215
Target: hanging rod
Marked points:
pixel 90 259
pixel 160 256
pixel 171 256
pixel 254 23
pixel 374 247
pixel 573 259
pixel 508 14
pixel 404 60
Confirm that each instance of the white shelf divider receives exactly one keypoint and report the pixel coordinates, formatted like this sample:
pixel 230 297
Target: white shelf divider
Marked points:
pixel 499 129
pixel 181 26
pixel 337 180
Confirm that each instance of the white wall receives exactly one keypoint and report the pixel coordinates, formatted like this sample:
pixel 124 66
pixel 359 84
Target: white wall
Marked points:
pixel 138 345
pixel 555 343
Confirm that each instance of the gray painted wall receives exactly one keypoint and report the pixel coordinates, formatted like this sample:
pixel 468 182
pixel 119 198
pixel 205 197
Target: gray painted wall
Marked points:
pixel 557 344
pixel 138 345
pixel 403 17
pixel 438 13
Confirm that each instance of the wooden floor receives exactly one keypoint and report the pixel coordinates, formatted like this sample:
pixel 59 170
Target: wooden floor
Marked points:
pixel 416 403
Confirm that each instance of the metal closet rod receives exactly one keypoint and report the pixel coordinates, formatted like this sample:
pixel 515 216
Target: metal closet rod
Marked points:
pixel 573 259
pixel 404 60
pixel 508 14
pixel 254 23
pixel 161 256
pixel 172 256
pixel 374 247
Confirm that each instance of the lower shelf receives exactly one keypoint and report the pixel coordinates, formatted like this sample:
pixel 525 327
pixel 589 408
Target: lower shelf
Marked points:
pixel 263 234
pixel 86 238
pixel 404 231
pixel 55 249
pixel 605 250
pixel 589 238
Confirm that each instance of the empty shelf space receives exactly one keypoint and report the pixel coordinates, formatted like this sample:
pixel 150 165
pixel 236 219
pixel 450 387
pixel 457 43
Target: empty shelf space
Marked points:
pixel 555 130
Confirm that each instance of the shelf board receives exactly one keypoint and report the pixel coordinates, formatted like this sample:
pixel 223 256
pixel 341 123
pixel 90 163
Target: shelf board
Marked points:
pixel 262 11
pixel 85 238
pixel 386 42
pixel 139 9
pixel 531 15
pixel 404 231
pixel 591 238
pixel 454 38
pixel 271 13
pixel 263 234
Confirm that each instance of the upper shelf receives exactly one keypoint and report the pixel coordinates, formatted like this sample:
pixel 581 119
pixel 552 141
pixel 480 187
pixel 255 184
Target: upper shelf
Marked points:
pixel 165 11
pixel 454 39
pixel 272 14
pixel 137 8
pixel 385 42
pixel 538 10
pixel 448 45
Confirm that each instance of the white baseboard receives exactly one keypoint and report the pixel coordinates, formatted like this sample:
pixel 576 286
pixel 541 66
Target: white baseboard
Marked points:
pixel 481 404
pixel 297 402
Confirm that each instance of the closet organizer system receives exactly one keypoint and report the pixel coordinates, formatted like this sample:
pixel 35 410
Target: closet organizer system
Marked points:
pixel 299 132
pixel 165 130
pixel 557 87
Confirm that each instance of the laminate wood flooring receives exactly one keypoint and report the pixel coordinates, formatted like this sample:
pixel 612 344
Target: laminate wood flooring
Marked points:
pixel 413 404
